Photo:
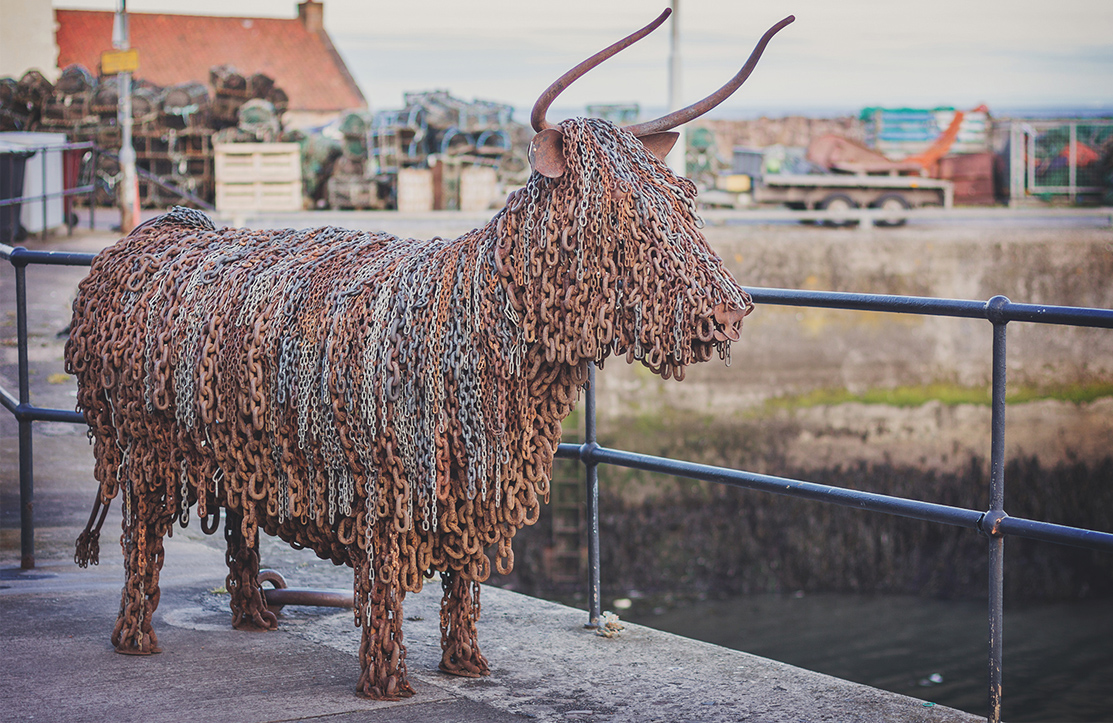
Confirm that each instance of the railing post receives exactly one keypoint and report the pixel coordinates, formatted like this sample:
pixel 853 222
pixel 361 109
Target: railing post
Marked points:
pixel 93 183
pixel 592 480
pixel 996 509
pixel 26 463
pixel 42 234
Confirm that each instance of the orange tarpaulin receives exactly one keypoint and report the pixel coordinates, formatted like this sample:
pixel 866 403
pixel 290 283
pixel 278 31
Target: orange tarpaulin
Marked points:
pixel 943 143
pixel 1083 154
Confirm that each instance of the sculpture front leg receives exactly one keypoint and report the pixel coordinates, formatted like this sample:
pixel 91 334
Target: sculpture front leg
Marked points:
pixel 459 636
pixel 143 558
pixel 249 610
pixel 382 657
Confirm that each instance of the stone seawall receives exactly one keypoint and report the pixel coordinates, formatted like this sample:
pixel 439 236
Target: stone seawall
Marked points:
pixel 788 352
pixel 677 537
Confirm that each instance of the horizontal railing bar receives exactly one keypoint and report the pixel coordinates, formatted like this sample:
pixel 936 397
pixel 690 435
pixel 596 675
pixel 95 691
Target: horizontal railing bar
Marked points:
pixel 75 191
pixel 1060 534
pixel 44 414
pixel 927 511
pixel 925 305
pixel 20 256
pixel 1004 311
pixel 1070 315
pixel 857 499
pixel 31 413
pixel 9 402
pixel 869 302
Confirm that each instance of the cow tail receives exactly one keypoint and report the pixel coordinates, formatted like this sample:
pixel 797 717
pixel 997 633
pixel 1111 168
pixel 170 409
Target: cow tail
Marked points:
pixel 88 542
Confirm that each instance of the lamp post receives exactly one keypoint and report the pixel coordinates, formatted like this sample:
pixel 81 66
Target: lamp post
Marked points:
pixel 129 189
pixel 677 157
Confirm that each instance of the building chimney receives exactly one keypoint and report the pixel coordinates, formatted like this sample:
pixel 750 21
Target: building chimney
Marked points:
pixel 312 15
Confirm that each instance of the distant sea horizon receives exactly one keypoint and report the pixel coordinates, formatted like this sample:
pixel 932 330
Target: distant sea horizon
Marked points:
pixel 1035 112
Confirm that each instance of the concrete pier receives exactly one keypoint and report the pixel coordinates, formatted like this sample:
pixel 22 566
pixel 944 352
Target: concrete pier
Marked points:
pixel 55 622
pixel 58 665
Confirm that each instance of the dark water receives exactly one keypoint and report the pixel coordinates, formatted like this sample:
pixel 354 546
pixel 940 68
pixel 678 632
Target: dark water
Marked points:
pixel 1058 662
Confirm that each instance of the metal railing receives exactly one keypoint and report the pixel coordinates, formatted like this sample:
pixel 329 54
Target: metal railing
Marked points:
pixel 994 523
pixel 26 413
pixel 68 166
pixel 74 168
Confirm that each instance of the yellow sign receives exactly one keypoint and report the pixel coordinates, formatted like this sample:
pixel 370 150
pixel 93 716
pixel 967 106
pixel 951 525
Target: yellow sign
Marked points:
pixel 119 61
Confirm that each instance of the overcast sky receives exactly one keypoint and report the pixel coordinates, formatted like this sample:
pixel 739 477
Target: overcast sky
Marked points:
pixel 838 55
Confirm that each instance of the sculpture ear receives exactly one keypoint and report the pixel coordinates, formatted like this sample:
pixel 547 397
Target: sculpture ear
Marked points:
pixel 546 153
pixel 659 144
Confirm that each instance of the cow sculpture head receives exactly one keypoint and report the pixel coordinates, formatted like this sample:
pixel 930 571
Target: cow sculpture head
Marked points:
pixel 602 250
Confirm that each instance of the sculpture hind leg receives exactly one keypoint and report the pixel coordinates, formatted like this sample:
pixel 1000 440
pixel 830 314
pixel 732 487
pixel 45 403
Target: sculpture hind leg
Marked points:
pixel 382 656
pixel 143 558
pixel 249 611
pixel 459 636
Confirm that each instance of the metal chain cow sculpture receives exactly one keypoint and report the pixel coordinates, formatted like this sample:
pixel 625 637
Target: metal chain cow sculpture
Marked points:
pixel 392 404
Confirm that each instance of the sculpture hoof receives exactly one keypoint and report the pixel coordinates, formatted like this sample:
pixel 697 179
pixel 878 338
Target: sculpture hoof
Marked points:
pixel 136 651
pixel 462 672
pixel 263 623
pixel 394 690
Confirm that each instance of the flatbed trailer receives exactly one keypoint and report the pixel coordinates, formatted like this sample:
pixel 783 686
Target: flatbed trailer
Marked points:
pixel 837 192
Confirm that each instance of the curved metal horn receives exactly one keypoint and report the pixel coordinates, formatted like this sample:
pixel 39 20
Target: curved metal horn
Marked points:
pixel 537 117
pixel 695 110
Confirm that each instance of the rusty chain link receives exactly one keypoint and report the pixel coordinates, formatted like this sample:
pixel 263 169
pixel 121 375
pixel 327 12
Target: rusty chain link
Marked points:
pixel 392 404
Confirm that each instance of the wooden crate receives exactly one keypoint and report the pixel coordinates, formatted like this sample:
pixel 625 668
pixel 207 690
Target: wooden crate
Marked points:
pixel 415 189
pixel 258 196
pixel 257 177
pixel 478 188
pixel 251 162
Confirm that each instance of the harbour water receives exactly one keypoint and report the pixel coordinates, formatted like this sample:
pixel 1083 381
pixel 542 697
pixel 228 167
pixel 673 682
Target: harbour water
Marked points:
pixel 1058 660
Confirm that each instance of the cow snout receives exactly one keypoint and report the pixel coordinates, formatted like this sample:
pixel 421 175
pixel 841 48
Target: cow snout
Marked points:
pixel 728 321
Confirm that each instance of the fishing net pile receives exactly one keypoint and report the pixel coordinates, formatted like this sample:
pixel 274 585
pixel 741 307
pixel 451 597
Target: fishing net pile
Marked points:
pixel 392 404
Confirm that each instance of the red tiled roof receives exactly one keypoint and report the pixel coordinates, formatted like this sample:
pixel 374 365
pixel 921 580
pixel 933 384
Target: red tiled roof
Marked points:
pixel 180 48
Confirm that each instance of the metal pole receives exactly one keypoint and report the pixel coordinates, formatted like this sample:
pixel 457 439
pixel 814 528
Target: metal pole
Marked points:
pixel 93 193
pixel 1032 160
pixel 26 462
pixel 1016 165
pixel 997 510
pixel 592 480
pixel 1072 176
pixel 677 159
pixel 129 192
pixel 42 234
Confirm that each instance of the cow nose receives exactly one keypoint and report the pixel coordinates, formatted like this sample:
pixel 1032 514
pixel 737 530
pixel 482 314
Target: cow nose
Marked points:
pixel 728 321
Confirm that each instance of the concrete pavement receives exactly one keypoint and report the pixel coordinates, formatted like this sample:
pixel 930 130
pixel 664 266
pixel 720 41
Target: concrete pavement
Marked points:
pixel 57 664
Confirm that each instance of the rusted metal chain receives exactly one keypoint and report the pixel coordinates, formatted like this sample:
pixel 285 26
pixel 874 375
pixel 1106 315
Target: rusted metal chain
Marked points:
pixel 392 404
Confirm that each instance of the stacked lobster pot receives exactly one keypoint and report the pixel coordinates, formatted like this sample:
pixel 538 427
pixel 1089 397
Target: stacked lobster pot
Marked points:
pixel 257 121
pixel 173 128
pixel 67 108
pixel 353 182
pixel 447 135
pixel 185 105
pixel 14 115
pixel 21 101
pixel 231 91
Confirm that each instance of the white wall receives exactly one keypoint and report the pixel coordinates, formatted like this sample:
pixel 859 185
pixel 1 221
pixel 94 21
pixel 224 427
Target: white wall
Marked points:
pixel 27 38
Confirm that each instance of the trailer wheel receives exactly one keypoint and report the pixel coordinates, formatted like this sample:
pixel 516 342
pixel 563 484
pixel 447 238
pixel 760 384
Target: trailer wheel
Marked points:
pixel 893 204
pixel 839 202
